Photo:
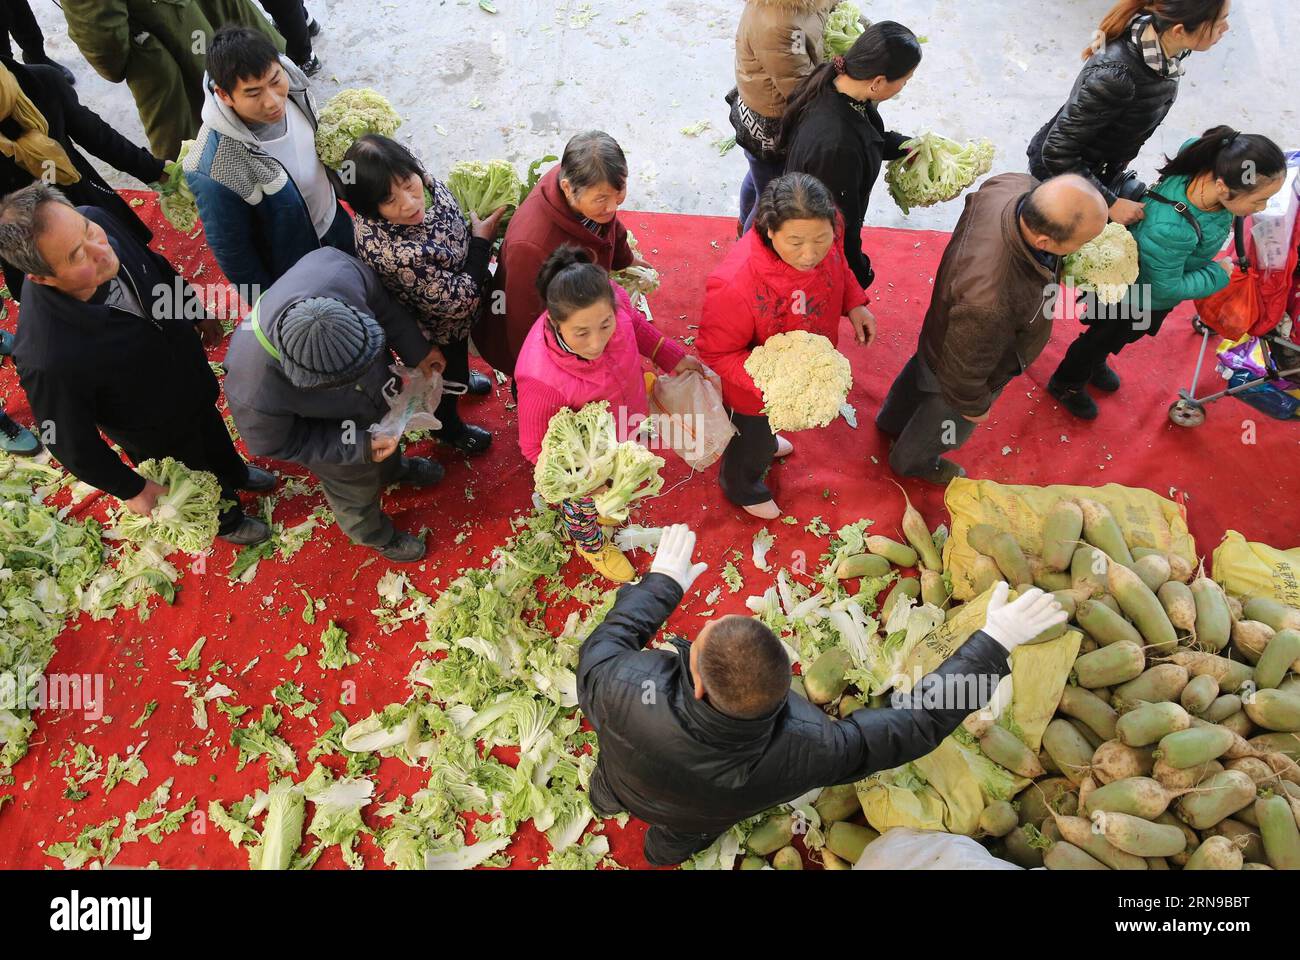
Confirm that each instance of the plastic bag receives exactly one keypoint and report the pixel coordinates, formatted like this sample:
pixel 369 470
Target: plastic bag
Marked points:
pixel 1146 519
pixel 412 399
pixel 692 421
pixel 1246 569
pixel 1247 354
pixel 1236 309
pixel 1270 397
pixel 905 849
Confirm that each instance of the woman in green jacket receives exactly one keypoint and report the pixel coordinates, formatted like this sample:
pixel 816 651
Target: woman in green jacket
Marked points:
pixel 1188 216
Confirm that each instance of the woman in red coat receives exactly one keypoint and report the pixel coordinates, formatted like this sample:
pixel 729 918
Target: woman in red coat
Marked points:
pixel 575 203
pixel 787 273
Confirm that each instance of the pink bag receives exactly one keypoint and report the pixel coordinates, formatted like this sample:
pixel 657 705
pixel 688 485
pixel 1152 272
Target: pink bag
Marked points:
pixel 690 418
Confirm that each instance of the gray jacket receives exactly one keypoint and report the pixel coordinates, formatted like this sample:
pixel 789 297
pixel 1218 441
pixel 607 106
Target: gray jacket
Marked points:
pixel 281 421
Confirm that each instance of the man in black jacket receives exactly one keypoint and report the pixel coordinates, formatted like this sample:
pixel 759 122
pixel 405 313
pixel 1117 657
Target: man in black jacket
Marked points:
pixel 105 344
pixel 697 740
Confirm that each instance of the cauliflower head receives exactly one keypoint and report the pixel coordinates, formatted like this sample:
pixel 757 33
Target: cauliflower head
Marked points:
pixel 348 116
pixel 186 516
pixel 803 377
pixel 1106 264
pixel 936 169
pixel 577 453
pixel 635 475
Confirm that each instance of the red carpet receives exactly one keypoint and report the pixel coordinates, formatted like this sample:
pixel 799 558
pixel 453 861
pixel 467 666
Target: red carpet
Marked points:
pixel 1228 476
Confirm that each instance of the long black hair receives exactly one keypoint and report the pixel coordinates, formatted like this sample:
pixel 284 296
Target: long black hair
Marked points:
pixel 1192 15
pixel 1240 160
pixel 370 168
pixel 795 196
pixel 886 49
pixel 571 280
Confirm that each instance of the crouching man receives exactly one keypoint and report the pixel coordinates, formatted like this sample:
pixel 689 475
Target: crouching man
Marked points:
pixel 696 740
pixel 306 374
pixel 104 345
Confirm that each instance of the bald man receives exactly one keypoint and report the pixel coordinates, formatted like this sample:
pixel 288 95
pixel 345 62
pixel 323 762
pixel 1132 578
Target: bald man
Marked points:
pixel 990 314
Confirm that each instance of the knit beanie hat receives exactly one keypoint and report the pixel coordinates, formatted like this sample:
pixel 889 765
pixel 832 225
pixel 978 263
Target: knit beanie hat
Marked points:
pixel 325 343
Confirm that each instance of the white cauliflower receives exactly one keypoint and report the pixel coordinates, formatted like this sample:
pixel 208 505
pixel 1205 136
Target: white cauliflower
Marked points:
pixel 803 377
pixel 1107 264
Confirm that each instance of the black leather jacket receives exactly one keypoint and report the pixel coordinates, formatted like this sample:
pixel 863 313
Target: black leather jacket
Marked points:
pixel 1116 104
pixel 676 762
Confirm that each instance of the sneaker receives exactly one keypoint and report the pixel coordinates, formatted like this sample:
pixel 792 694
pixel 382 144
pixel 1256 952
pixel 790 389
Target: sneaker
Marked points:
pixel 310 67
pixel 1074 399
pixel 469 439
pixel 1104 378
pixel 420 472
pixel 259 480
pixel 403 548
pixel 767 510
pixel 945 472
pixel 17 440
pixel 479 385
pixel 248 531
pixel 6 343
pixel 610 563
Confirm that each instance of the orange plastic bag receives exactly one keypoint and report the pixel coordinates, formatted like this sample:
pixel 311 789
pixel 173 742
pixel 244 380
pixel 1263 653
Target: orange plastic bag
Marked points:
pixel 1236 309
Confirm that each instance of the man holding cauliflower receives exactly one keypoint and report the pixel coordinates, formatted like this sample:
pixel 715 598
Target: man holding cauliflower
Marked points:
pixel 990 315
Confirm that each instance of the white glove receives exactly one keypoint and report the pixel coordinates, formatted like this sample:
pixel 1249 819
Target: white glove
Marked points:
pixel 1012 624
pixel 673 557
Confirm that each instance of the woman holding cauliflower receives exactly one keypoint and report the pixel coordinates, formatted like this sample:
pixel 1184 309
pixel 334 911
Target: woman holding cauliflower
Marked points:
pixel 788 274
pixel 586 348
pixel 832 127
pixel 1189 213
pixel 410 230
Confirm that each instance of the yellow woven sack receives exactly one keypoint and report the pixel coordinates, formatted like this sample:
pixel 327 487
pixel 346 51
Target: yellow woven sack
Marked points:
pixel 1247 569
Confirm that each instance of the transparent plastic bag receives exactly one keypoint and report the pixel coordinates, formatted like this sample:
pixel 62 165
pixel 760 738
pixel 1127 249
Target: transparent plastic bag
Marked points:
pixel 692 420
pixel 412 399
pixel 903 848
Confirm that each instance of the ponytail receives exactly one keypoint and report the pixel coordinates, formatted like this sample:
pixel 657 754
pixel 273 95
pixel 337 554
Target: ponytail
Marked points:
pixel 1241 160
pixel 571 280
pixel 1192 15
pixel 886 49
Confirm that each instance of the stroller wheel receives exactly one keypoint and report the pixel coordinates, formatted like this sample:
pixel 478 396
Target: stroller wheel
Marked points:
pixel 1187 413
pixel 1199 326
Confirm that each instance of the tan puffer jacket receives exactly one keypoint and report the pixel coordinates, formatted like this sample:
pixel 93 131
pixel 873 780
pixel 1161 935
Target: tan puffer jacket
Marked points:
pixel 778 43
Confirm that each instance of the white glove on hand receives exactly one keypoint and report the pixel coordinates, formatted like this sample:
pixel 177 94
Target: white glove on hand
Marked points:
pixel 673 556
pixel 1012 624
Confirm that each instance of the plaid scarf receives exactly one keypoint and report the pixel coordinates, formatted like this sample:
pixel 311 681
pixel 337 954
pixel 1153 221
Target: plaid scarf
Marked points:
pixel 1144 35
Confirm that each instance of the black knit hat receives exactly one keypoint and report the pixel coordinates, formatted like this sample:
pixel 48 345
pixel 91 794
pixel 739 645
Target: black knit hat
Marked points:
pixel 326 343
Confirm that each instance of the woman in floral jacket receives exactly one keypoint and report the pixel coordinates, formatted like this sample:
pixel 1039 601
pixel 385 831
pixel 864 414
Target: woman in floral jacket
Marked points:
pixel 411 231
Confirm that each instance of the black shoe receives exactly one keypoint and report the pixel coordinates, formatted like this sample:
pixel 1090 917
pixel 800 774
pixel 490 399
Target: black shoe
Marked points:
pixel 247 532
pixel 944 473
pixel 479 385
pixel 403 548
pixel 259 480
pixel 469 439
pixel 310 67
pixel 313 27
pixel 420 472
pixel 1074 399
pixel 1104 378
pixel 46 61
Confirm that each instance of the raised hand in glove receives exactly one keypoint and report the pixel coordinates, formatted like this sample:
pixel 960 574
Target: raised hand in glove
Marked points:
pixel 1012 624
pixel 673 557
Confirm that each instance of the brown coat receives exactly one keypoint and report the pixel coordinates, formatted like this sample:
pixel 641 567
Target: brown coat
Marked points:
pixel 778 43
pixel 990 314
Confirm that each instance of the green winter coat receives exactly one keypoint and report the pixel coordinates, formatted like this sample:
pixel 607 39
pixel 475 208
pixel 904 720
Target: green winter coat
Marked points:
pixel 159 48
pixel 1172 264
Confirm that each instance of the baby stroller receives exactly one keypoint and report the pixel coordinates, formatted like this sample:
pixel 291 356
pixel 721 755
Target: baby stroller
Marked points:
pixel 1272 248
